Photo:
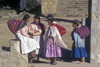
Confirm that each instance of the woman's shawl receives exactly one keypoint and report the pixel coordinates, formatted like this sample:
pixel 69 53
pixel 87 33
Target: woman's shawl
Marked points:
pixel 77 40
pixel 53 32
pixel 15 25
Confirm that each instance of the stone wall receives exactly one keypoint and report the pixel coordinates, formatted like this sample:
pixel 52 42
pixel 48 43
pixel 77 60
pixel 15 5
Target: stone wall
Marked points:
pixel 95 32
pixel 33 3
pixel 65 8
pixel 49 6
pixel 73 8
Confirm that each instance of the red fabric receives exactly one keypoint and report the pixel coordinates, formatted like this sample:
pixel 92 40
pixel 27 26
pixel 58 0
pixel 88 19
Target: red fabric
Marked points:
pixel 60 28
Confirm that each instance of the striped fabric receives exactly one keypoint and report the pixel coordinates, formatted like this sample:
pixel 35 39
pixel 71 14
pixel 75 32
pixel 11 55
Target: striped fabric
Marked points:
pixel 60 28
pixel 15 25
pixel 82 31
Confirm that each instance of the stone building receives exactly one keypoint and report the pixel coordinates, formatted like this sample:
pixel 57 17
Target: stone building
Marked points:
pixel 65 8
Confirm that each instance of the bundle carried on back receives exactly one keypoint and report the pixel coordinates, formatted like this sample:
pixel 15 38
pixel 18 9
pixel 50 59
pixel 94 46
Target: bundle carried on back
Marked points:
pixel 15 25
pixel 83 31
pixel 60 28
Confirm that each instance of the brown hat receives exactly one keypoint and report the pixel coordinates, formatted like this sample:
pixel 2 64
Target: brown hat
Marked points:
pixel 76 21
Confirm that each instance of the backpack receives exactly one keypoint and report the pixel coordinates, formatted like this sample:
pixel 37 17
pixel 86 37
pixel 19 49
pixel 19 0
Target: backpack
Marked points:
pixel 15 25
pixel 83 31
pixel 60 28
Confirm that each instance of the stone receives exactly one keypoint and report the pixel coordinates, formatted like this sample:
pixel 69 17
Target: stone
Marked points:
pixel 94 8
pixel 93 40
pixel 15 48
pixel 93 31
pixel 94 23
pixel 95 2
pixel 95 57
pixel 65 8
pixel 33 3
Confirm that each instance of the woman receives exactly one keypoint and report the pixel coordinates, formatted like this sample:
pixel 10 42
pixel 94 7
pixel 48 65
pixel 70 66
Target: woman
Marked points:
pixel 53 41
pixel 28 44
pixel 35 27
pixel 78 50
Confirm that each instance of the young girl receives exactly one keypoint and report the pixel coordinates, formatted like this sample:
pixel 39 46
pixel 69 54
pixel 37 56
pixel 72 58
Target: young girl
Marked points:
pixel 78 50
pixel 35 27
pixel 28 44
pixel 53 41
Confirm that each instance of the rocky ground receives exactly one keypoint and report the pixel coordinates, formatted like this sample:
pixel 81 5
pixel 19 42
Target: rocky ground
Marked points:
pixel 8 59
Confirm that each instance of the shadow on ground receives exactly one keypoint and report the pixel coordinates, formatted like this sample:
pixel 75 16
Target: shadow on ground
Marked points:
pixel 6 48
pixel 65 55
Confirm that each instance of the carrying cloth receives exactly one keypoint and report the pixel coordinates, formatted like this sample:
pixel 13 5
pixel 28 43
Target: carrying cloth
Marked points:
pixel 60 28
pixel 83 31
pixel 15 25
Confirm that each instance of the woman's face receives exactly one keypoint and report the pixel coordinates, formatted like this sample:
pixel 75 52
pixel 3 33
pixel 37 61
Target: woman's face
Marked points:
pixel 36 20
pixel 74 25
pixel 49 22
pixel 27 20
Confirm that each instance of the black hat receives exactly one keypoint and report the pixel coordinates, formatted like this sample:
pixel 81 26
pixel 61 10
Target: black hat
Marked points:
pixel 50 16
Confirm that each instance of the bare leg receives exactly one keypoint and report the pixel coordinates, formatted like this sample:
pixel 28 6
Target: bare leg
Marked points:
pixel 32 55
pixel 82 60
pixel 55 61
pixel 38 57
pixel 49 61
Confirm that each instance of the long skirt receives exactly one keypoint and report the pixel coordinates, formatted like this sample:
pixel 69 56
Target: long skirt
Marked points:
pixel 40 42
pixel 52 50
pixel 27 44
pixel 78 52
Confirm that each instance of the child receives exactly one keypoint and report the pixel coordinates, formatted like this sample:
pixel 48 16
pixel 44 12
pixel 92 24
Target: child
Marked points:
pixel 53 41
pixel 78 50
pixel 35 27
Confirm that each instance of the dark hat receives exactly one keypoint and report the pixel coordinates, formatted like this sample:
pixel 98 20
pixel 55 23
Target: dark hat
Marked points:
pixel 76 21
pixel 50 16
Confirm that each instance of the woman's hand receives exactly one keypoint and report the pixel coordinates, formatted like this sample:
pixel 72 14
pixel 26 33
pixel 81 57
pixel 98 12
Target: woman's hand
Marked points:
pixel 31 37
pixel 36 31
pixel 40 30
